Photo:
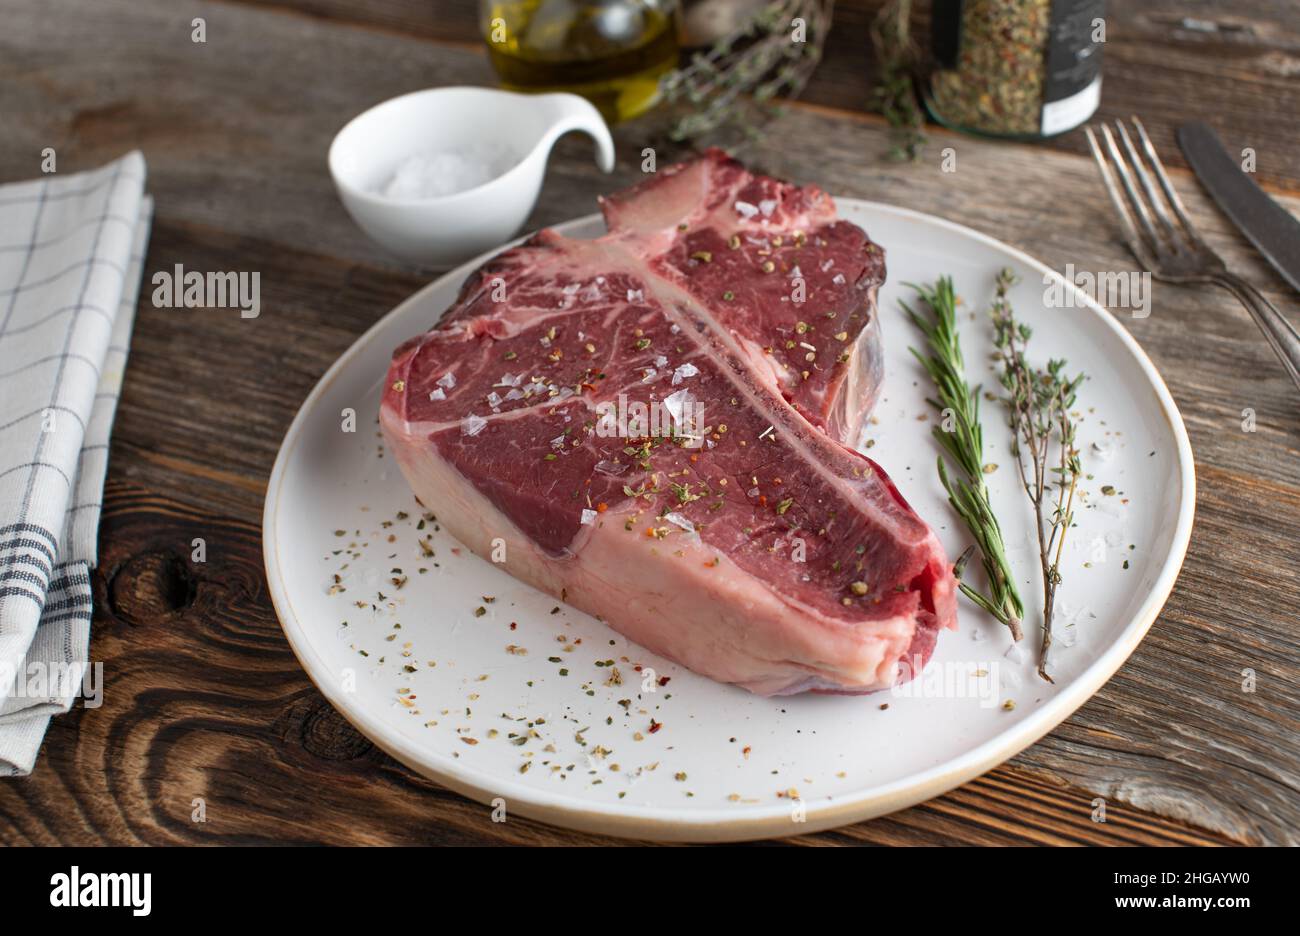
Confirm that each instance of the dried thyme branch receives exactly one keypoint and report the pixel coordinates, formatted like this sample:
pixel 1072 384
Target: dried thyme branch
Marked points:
pixel 961 436
pixel 1043 437
pixel 735 80
pixel 895 93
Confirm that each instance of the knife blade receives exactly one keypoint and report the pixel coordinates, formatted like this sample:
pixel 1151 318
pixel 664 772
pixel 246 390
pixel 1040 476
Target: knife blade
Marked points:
pixel 1269 226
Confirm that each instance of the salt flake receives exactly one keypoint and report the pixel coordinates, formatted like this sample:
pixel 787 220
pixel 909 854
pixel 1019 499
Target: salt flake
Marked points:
pixel 681 521
pixel 676 404
pixel 684 371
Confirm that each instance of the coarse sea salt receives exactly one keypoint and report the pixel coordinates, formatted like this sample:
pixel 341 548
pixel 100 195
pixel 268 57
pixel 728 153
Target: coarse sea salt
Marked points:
pixel 438 173
pixel 676 403
pixel 610 468
pixel 680 520
pixel 683 371
pixel 1104 449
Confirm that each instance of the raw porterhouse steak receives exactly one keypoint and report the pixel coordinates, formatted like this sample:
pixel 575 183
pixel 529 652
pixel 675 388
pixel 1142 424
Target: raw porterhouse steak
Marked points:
pixel 728 527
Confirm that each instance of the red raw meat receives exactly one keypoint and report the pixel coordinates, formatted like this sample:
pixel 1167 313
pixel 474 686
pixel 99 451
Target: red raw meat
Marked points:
pixel 751 546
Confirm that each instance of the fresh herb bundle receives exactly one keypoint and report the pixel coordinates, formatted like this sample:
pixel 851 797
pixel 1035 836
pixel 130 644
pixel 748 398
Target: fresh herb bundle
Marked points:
pixel 894 95
pixel 733 83
pixel 961 437
pixel 1043 434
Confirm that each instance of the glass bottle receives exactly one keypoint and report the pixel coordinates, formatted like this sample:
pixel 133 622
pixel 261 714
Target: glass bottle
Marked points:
pixel 612 52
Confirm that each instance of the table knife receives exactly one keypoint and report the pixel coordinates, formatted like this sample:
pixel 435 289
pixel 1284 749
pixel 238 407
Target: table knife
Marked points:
pixel 1269 226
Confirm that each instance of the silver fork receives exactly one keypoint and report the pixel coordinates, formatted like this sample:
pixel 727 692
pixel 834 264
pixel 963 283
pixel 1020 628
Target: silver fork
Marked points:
pixel 1173 250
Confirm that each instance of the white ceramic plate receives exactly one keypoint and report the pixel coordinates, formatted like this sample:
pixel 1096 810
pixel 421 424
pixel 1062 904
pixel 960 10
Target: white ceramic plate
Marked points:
pixel 724 764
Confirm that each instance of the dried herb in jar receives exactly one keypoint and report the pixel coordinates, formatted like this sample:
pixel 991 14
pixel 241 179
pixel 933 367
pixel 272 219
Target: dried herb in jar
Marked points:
pixel 1016 68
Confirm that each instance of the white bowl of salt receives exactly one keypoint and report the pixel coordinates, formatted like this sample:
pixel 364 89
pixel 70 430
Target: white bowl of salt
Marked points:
pixel 439 176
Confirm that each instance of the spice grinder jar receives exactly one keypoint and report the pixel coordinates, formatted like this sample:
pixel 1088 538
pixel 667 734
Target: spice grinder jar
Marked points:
pixel 1020 69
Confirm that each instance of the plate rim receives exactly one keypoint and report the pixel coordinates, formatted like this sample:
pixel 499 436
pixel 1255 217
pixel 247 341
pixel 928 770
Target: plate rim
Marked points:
pixel 718 825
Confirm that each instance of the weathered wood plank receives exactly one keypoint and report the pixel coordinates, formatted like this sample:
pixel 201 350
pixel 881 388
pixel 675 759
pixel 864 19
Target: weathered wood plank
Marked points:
pixel 1222 617
pixel 259 142
pixel 1241 58
pixel 236 153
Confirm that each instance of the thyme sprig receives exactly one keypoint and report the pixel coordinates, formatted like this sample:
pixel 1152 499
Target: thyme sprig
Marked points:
pixel 894 95
pixel 1039 402
pixel 732 84
pixel 961 437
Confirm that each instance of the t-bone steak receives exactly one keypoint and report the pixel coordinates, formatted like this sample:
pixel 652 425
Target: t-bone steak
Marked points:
pixel 653 425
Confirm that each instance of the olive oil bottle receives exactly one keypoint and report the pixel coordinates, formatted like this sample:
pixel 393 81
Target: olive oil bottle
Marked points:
pixel 612 52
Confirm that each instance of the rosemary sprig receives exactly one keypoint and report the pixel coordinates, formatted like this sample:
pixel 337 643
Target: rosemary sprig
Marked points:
pixel 1043 435
pixel 961 437
pixel 733 83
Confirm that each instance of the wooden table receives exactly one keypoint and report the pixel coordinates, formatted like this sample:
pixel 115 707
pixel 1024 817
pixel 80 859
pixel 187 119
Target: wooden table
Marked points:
pixel 204 697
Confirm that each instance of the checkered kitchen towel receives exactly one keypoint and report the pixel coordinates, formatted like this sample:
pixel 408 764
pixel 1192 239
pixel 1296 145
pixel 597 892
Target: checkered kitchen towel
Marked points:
pixel 71 252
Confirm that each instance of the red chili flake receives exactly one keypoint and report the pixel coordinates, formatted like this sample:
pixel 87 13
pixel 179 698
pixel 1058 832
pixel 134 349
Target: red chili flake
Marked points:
pixel 602 507
pixel 655 726
pixel 514 625
pixel 663 680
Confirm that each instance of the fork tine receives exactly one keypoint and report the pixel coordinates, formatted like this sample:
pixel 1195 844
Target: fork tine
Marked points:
pixel 1121 207
pixel 1170 192
pixel 1126 180
pixel 1156 203
pixel 1131 235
